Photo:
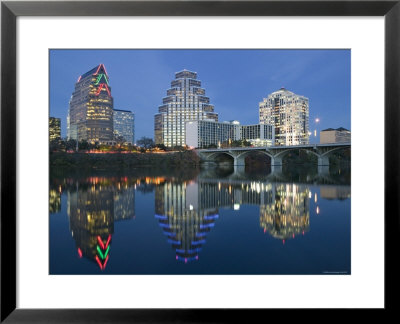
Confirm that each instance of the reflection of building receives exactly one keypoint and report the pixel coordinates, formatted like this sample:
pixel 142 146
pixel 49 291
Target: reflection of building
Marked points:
pixel 54 129
pixel 92 209
pixel 185 101
pixel 90 115
pixel 54 201
pixel 218 194
pixel 124 125
pixel 183 222
pixel 187 211
pixel 203 133
pixel 289 212
pixel 91 216
pixel 288 113
pixel 124 204
pixel 338 135
pixel 284 208
pixel 335 192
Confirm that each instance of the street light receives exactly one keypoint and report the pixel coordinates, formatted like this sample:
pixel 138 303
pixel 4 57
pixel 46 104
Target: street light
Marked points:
pixel 316 120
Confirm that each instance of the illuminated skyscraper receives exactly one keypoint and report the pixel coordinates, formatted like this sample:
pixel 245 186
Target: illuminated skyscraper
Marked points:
pixel 54 129
pixel 288 113
pixel 91 108
pixel 124 125
pixel 185 101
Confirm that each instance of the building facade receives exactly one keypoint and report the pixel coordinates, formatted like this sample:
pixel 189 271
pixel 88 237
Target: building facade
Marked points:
pixel 206 133
pixel 185 101
pixel 91 108
pixel 339 135
pixel 258 134
pixel 289 114
pixel 54 129
pixel 124 125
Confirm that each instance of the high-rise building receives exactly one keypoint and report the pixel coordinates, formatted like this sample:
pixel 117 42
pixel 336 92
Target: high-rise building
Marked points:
pixel 91 108
pixel 54 129
pixel 124 125
pixel 339 135
pixel 185 101
pixel 289 114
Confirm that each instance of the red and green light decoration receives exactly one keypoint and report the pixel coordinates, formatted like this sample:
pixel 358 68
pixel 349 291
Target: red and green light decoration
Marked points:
pixel 102 249
pixel 101 77
pixel 101 87
pixel 98 69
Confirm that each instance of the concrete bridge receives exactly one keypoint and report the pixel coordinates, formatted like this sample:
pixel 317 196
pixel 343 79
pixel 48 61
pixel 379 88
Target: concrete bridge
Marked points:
pixel 276 153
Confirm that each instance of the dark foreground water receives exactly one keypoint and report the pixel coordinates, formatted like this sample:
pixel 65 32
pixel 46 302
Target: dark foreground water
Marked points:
pixel 217 221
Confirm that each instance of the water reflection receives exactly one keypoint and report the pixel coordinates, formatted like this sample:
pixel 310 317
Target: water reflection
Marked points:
pixel 54 201
pixel 186 210
pixel 93 205
pixel 183 220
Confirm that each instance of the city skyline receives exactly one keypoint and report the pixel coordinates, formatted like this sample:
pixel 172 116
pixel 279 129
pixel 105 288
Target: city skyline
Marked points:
pixel 321 75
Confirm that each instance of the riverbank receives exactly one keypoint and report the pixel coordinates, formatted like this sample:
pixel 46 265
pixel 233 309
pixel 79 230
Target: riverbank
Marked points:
pixel 115 161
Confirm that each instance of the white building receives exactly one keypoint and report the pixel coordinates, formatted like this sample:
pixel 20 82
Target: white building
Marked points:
pixel 289 114
pixel 206 133
pixel 258 134
pixel 185 101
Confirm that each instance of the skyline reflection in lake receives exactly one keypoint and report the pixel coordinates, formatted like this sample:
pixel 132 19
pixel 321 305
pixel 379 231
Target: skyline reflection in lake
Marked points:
pixel 210 222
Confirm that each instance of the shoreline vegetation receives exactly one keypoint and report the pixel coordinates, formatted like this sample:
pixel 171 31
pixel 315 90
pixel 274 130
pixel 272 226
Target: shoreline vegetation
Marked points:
pixel 107 161
pixel 162 160
pixel 83 156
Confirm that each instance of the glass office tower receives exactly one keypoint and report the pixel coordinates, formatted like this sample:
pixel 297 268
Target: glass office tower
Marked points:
pixel 288 113
pixel 185 101
pixel 124 125
pixel 91 108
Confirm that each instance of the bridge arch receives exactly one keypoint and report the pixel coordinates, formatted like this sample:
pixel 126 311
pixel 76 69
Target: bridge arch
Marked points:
pixel 285 152
pixel 247 153
pixel 213 156
pixel 339 148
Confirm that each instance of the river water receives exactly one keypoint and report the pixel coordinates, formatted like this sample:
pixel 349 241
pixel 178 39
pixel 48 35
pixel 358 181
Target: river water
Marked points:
pixel 210 221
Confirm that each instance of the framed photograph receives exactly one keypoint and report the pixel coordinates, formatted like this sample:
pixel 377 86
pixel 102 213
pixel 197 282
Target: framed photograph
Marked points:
pixel 162 159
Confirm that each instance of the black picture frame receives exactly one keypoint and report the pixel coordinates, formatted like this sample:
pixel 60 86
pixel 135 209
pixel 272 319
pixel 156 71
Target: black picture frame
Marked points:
pixel 10 10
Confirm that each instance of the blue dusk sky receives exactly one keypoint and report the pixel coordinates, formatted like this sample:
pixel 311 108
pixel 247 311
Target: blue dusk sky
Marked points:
pixel 234 80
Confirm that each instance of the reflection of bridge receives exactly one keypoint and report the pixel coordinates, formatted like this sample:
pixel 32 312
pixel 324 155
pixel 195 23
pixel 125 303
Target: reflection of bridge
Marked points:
pixel 324 176
pixel 276 153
